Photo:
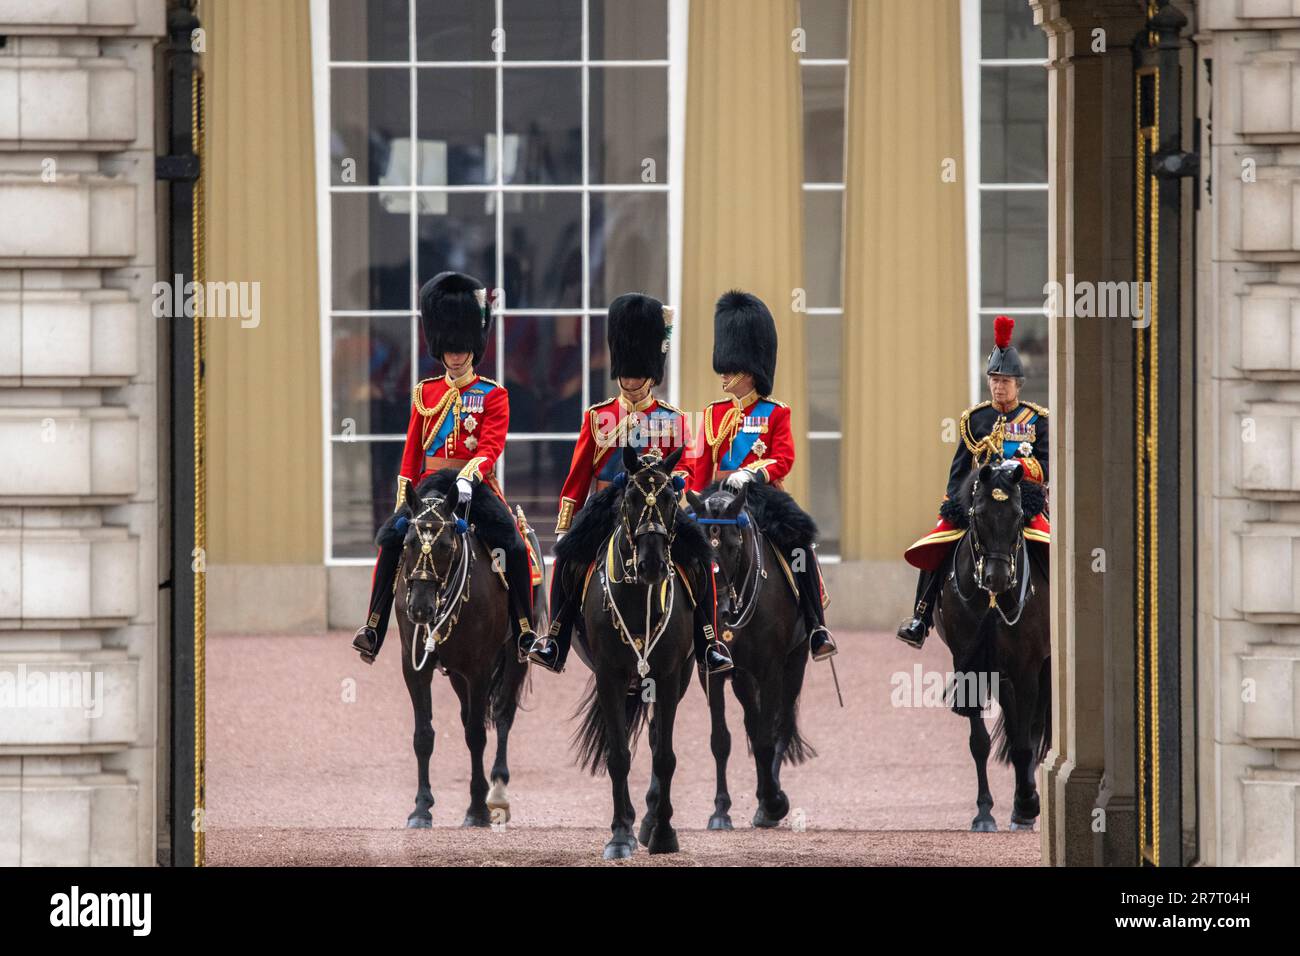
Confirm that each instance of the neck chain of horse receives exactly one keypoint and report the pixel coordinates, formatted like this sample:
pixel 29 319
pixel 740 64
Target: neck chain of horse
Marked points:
pixel 750 572
pixel 978 555
pixel 452 586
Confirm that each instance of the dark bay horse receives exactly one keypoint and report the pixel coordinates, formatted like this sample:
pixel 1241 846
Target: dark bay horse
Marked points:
pixel 994 616
pixel 759 616
pixel 635 633
pixel 453 616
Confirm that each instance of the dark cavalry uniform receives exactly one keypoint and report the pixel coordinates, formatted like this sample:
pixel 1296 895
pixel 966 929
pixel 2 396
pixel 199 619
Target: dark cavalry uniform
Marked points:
pixel 638 330
pixel 749 439
pixel 987 434
pixel 459 424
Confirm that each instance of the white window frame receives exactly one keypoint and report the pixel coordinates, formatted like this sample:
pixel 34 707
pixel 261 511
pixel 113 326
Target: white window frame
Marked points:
pixel 973 64
pixel 678 21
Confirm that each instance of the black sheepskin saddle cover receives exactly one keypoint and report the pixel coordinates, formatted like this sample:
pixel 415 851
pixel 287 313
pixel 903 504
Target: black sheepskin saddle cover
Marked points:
pixel 956 511
pixel 777 515
pixel 492 521
pixel 599 517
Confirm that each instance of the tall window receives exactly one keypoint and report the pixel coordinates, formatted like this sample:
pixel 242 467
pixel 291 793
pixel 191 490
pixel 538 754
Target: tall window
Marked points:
pixel 526 142
pixel 825 68
pixel 1006 106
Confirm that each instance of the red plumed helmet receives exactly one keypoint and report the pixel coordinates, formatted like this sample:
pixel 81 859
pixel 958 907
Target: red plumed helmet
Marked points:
pixel 1002 327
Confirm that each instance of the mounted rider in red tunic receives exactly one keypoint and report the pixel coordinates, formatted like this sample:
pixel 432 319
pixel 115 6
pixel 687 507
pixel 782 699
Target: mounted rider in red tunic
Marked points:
pixel 1002 428
pixel 638 331
pixel 458 421
pixel 748 440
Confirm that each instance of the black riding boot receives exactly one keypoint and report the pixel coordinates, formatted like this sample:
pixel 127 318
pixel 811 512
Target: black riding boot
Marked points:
pixel 914 632
pixel 519 583
pixel 820 642
pixel 551 649
pixel 710 653
pixel 370 637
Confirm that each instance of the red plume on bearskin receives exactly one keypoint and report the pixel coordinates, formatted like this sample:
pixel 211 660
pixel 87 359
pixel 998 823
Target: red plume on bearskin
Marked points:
pixel 1002 327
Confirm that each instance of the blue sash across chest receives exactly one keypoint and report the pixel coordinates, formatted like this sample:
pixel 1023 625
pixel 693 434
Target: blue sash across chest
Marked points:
pixel 659 422
pixel 754 426
pixel 472 400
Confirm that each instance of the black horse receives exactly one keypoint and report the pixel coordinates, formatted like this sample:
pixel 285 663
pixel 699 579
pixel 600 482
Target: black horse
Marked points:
pixel 993 615
pixel 453 616
pixel 635 633
pixel 759 616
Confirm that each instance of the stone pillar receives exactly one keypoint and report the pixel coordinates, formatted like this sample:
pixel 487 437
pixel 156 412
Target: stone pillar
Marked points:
pixel 1090 162
pixel 79 499
pixel 1248 508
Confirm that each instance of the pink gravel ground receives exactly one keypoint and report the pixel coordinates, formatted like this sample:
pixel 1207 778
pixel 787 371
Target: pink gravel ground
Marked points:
pixel 310 762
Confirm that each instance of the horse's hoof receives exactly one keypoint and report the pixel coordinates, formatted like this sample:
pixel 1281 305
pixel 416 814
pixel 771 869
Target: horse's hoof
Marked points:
pixel 663 840
pixel 418 821
pixel 720 821
pixel 1022 824
pixel 770 814
pixel 985 825
pixel 764 820
pixel 647 828
pixel 618 849
pixel 476 821
pixel 498 803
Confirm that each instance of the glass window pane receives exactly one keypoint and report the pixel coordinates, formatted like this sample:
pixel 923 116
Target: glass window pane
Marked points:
pixel 371 375
pixel 543 250
pixel 1013 124
pixel 826 24
pixel 534 473
pixel 487 366
pixel 823 123
pixel 601 387
pixel 457 126
pixel 628 29
pixel 457 231
pixel 629 245
pixel 543 126
pixel 825 346
pixel 370 30
pixel 370 125
pixel 824 501
pixel 629 125
pixel 822 239
pixel 543 371
pixel 1013 237
pixel 1030 340
pixel 542 29
pixel 364 489
pixel 454 29
pixel 371 251
pixel 1008 32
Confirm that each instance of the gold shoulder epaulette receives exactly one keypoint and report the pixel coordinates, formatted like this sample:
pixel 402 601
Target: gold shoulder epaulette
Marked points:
pixel 964 427
pixel 1038 408
pixel 596 405
pixel 672 408
pixel 775 402
pixel 490 381
pixel 417 395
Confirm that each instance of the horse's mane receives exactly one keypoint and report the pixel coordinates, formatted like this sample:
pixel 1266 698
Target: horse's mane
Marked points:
pixel 599 515
pixel 492 522
pixel 776 513
pixel 956 511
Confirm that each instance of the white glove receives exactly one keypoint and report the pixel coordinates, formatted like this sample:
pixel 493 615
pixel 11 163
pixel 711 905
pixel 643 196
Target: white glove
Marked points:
pixel 736 480
pixel 559 535
pixel 464 489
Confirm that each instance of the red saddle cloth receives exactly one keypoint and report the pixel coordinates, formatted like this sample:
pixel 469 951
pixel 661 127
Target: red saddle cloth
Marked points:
pixel 929 552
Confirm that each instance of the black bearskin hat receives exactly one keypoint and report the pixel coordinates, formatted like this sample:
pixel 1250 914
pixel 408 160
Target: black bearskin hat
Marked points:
pixel 744 339
pixel 455 315
pixel 637 332
pixel 1004 359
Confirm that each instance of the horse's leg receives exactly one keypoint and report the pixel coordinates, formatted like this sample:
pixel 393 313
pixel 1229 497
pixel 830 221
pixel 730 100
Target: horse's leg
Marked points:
pixel 787 727
pixel 612 699
pixel 757 702
pixel 979 750
pixel 473 703
pixel 652 794
pixel 720 743
pixel 504 709
pixel 1024 806
pixel 419 684
pixel 663 838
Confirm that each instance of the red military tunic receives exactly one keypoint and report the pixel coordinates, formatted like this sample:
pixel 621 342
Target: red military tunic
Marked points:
pixel 752 433
pixel 607 427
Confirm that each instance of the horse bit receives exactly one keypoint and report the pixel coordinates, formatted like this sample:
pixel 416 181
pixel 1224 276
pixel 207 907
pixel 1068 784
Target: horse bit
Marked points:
pixel 650 521
pixel 449 598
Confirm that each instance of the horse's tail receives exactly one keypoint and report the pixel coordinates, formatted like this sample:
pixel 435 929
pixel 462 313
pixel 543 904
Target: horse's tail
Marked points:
pixel 796 749
pixel 503 692
pixel 1040 730
pixel 591 740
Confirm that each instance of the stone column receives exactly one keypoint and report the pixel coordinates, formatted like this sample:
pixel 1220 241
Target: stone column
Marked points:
pixel 79 481
pixel 1090 172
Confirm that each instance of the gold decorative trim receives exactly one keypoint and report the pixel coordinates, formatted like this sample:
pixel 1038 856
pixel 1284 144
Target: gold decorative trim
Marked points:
pixel 459 382
pixel 567 506
pixel 470 470
pixel 199 134
pixel 402 482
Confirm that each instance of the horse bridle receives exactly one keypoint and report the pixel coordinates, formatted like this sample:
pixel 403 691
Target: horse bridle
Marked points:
pixel 979 554
pixel 452 584
pixel 650 520
pixel 747 600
